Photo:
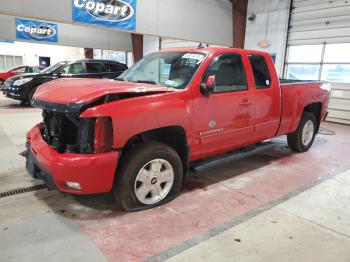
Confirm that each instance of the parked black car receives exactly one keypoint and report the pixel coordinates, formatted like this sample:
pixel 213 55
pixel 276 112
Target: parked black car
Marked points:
pixel 23 87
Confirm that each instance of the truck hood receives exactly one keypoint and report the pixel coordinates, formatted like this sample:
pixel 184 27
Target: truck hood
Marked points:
pixel 77 92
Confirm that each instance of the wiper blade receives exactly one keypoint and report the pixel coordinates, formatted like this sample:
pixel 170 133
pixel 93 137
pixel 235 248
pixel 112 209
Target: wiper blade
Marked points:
pixel 120 79
pixel 146 82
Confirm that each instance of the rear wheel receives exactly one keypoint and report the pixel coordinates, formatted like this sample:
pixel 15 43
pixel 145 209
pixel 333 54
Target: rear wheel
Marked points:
pixel 149 175
pixel 2 84
pixel 302 139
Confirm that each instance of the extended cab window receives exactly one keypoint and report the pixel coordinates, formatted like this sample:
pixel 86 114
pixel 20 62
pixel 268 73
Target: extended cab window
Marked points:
pixel 261 71
pixel 229 73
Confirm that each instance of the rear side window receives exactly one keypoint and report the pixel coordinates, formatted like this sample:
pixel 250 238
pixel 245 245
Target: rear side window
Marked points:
pixel 111 67
pixel 261 71
pixel 229 73
pixel 93 68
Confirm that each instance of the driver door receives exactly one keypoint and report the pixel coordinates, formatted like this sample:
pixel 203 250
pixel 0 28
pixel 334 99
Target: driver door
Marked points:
pixel 224 120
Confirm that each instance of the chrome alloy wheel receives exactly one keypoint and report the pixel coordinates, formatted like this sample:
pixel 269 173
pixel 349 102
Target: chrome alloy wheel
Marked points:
pixel 308 133
pixel 154 181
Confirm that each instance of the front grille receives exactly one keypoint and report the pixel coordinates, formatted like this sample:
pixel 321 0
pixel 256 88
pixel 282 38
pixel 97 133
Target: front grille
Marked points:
pixel 67 133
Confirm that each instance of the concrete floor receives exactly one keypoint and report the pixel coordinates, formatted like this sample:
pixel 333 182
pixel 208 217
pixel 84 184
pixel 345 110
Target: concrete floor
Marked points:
pixel 275 206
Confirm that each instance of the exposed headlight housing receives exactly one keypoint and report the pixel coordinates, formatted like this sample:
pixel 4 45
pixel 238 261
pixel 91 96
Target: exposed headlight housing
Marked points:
pixel 103 141
pixel 22 81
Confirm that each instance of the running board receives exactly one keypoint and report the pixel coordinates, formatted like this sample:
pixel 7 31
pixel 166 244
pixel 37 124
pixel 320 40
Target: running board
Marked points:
pixel 234 155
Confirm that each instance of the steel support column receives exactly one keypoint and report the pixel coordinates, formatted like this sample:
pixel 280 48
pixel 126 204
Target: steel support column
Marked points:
pixel 239 20
pixel 137 46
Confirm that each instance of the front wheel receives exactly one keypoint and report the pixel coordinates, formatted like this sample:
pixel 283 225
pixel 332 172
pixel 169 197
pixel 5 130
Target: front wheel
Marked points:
pixel 149 175
pixel 31 94
pixel 302 139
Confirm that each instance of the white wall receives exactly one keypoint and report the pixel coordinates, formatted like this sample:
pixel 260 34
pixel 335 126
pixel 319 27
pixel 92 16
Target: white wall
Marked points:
pixel 203 21
pixel 208 21
pixel 31 52
pixel 150 44
pixel 272 27
pixel 75 35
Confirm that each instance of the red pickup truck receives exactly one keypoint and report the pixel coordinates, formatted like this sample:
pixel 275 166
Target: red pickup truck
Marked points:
pixel 138 134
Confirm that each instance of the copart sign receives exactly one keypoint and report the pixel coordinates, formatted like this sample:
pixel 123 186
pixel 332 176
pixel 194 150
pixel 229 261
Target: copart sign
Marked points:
pixel 36 30
pixel 108 13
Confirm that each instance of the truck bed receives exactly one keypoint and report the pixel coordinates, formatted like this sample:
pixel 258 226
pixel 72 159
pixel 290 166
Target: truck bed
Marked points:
pixel 295 98
pixel 285 82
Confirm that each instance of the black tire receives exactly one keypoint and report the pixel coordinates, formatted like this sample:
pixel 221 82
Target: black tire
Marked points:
pixel 132 162
pixel 295 139
pixel 31 94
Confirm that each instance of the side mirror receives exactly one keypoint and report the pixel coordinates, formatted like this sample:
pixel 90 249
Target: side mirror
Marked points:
pixel 208 86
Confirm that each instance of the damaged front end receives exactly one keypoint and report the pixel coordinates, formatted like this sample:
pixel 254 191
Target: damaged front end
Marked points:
pixel 67 133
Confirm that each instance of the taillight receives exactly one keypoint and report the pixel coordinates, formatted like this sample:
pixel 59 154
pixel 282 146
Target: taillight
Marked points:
pixel 103 135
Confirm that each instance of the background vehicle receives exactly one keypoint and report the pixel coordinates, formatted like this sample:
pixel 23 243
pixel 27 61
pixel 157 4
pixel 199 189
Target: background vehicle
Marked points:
pixel 138 136
pixel 23 87
pixel 18 70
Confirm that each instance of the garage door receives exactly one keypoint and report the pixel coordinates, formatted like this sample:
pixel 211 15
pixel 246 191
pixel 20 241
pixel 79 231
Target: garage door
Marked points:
pixel 318 49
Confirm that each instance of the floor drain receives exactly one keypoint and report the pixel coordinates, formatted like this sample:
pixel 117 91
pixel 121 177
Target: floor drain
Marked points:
pixel 22 190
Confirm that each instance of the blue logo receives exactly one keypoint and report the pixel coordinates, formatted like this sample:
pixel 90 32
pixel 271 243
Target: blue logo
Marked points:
pixel 119 14
pixel 36 31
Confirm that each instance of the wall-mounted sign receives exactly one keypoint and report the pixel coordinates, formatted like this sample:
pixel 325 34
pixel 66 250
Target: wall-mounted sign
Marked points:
pixel 119 14
pixel 36 31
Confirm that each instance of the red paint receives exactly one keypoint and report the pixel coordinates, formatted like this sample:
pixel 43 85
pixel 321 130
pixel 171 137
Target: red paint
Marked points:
pixel 103 135
pixel 242 118
pixel 94 173
pixel 12 72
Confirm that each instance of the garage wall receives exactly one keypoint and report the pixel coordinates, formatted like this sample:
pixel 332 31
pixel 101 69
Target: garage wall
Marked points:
pixel 75 35
pixel 150 44
pixel 339 106
pixel 205 21
pixel 271 24
pixel 320 21
pixel 322 25
pixel 30 53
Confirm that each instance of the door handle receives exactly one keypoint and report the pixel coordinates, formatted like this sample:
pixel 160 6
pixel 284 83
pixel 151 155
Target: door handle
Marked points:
pixel 245 102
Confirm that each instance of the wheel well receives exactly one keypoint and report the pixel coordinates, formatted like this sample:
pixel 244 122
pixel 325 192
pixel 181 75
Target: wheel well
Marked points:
pixel 173 136
pixel 315 109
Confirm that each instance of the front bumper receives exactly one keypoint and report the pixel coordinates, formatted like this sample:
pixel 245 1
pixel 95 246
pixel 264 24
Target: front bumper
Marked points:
pixel 16 92
pixel 94 172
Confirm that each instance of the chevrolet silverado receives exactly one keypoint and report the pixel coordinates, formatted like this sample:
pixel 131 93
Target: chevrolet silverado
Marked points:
pixel 137 135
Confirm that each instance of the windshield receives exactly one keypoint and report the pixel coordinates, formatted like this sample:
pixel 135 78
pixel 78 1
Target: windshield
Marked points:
pixel 172 69
pixel 53 68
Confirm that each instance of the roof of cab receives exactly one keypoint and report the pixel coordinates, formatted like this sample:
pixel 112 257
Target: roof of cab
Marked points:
pixel 214 50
